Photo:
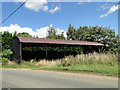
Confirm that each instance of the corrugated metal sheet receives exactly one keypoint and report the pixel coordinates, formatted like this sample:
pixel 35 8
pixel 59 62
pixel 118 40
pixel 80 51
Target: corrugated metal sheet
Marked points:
pixel 54 41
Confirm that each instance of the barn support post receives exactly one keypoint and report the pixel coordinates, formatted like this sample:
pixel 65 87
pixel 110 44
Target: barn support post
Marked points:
pixel 46 52
pixel 65 50
pixel 79 49
pixel 20 60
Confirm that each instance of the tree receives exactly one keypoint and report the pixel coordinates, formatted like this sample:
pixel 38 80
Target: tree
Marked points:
pixel 52 34
pixel 6 40
pixel 62 36
pixel 71 34
pixel 23 34
pixel 115 44
pixel 96 33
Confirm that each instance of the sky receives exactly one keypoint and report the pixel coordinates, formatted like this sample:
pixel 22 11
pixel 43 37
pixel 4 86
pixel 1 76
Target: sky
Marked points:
pixel 35 18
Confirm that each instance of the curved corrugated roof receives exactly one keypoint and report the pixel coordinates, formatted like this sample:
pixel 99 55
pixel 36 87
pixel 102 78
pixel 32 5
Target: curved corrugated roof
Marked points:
pixel 54 41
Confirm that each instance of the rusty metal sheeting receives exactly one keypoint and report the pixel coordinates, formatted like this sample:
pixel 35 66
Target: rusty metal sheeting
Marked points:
pixel 54 41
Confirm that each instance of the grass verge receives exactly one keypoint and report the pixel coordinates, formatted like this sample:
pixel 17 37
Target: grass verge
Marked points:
pixel 102 69
pixel 103 64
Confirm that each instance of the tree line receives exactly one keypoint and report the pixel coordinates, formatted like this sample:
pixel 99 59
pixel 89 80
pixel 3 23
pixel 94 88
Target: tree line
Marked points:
pixel 100 34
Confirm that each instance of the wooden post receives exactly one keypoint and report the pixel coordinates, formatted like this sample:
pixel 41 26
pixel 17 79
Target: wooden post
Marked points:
pixel 20 60
pixel 65 50
pixel 79 49
pixel 46 52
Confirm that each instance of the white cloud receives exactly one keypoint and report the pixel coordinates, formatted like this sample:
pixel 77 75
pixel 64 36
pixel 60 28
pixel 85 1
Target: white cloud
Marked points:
pixel 111 10
pixel 105 6
pixel 42 32
pixel 89 0
pixel 55 9
pixel 16 28
pixel 59 31
pixel 36 6
pixel 51 25
pixel 79 3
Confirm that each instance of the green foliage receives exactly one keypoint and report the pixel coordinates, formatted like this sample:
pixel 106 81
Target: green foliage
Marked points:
pixel 7 53
pixel 115 44
pixel 71 34
pixel 6 40
pixel 24 34
pixel 96 33
pixel 52 34
pixel 4 61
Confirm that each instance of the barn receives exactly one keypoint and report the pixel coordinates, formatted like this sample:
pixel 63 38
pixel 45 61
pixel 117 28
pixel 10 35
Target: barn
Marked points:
pixel 18 43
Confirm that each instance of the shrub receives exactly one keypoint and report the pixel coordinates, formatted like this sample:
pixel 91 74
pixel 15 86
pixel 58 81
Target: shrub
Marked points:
pixel 4 61
pixel 7 53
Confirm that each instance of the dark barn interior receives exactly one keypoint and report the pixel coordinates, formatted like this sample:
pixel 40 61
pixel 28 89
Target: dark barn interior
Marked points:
pixel 27 48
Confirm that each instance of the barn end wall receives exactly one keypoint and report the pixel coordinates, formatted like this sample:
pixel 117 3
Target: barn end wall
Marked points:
pixel 16 48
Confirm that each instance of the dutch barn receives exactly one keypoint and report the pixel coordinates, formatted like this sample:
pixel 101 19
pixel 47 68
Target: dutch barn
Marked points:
pixel 19 42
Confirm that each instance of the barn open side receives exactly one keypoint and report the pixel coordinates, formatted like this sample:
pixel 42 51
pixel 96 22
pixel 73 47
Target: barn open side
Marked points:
pixel 19 42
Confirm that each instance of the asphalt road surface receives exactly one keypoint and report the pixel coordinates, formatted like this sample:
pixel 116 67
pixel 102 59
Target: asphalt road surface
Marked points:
pixel 12 78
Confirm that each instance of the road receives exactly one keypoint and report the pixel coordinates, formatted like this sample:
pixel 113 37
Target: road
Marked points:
pixel 13 78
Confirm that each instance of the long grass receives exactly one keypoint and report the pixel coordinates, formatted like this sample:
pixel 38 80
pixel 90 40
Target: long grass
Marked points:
pixel 92 58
